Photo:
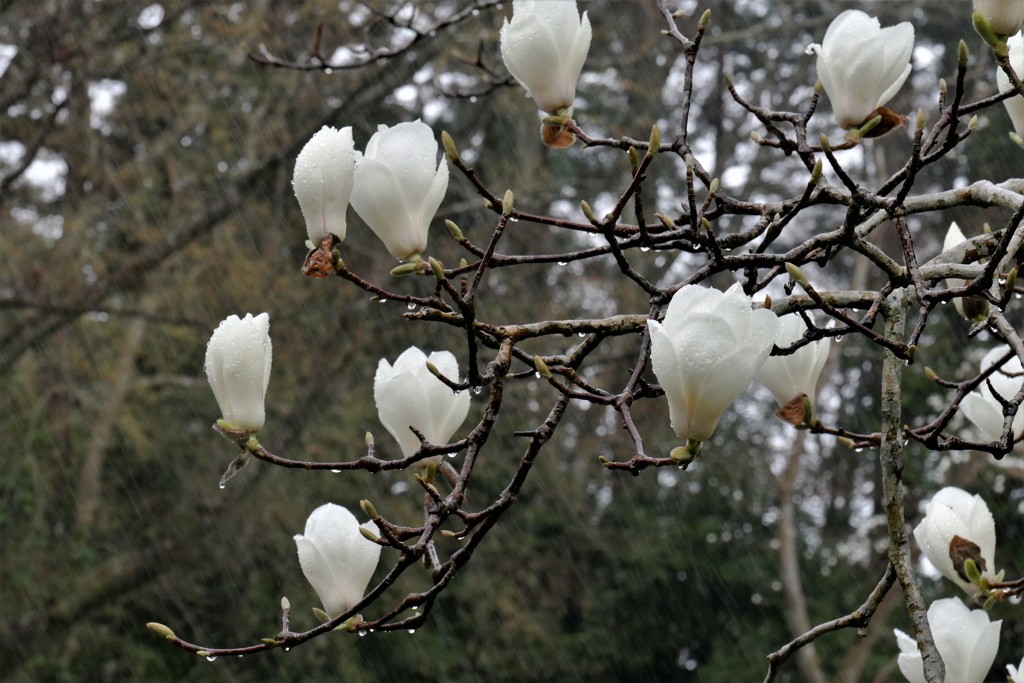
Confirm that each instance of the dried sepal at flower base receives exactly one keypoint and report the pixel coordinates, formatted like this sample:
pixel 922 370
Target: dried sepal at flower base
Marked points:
pixel 793 378
pixel 957 526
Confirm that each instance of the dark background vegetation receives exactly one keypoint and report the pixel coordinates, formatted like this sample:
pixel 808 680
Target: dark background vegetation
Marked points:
pixel 140 227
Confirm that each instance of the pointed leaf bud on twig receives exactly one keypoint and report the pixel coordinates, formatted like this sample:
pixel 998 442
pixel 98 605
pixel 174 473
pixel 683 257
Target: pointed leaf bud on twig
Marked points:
pixel 846 441
pixel 323 616
pixel 433 369
pixel 542 367
pixel 454 229
pixel 436 266
pixel 666 220
pixel 405 269
pixel 588 212
pixel 161 630
pixel 920 119
pixel 603 460
pixel 728 78
pixel 825 144
pixel 367 507
pixel 973 123
pixel 285 603
pixel 816 172
pixel 634 158
pixel 756 137
pixel 368 439
pixel 368 535
pixel 203 653
pixel 797 275
pixel 655 141
pixel 713 187
pixel 1014 138
pixel 506 203
pixel 1011 279
pixel 449 146
pixel 930 374
pixel 705 18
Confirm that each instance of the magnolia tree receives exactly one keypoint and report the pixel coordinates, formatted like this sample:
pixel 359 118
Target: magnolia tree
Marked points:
pixel 695 348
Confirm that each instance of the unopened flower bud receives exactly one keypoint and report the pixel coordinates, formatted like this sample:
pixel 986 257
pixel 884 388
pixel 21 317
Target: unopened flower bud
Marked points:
pixel 436 266
pixel 705 18
pixel 405 269
pixel 588 212
pixel 506 203
pixel 285 604
pixel 449 146
pixel 797 275
pixel 655 141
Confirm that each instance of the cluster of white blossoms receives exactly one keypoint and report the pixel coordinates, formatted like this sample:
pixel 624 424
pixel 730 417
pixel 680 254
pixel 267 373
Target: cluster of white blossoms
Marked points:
pixel 958 537
pixel 705 352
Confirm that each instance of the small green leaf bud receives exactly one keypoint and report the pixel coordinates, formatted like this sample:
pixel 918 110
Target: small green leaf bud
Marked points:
pixel 588 212
pixel 943 86
pixel 816 172
pixel 971 570
pixel 962 53
pixel 405 269
pixel 367 507
pixel 454 230
pixel 1011 279
pixel 436 266
pixel 542 367
pixel 368 439
pixel 825 144
pixel 506 203
pixel 449 146
pixel 634 158
pixel 1014 138
pixel 161 630
pixel 655 141
pixel 846 441
pixel 920 118
pixel 973 123
pixel 713 187
pixel 705 18
pixel 797 275
pixel 285 603
pixel 202 653
pixel 930 374
pixel 368 535
pixel 432 369
pixel 323 616
pixel 756 137
pixel 666 220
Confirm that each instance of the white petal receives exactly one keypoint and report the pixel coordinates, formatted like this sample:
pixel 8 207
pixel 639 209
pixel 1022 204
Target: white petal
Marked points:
pixel 323 181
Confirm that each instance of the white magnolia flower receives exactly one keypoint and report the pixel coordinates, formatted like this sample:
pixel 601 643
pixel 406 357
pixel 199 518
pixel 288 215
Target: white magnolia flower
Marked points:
pixel 399 185
pixel 1016 673
pixel 408 395
pixel 323 181
pixel 953 513
pixel 955 237
pixel 982 408
pixel 862 65
pixel 336 558
pixel 544 47
pixel 238 366
pixel 966 640
pixel 1004 16
pixel 706 353
pixel 789 377
pixel 1014 105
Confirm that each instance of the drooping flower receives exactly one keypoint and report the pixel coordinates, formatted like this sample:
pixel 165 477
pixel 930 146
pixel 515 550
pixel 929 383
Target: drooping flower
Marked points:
pixel 1003 16
pixel 982 408
pixel 399 185
pixel 544 47
pixel 1016 673
pixel 336 558
pixel 794 376
pixel 706 352
pixel 323 182
pixel 862 65
pixel 407 395
pixel 956 526
pixel 238 358
pixel 1014 105
pixel 966 640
